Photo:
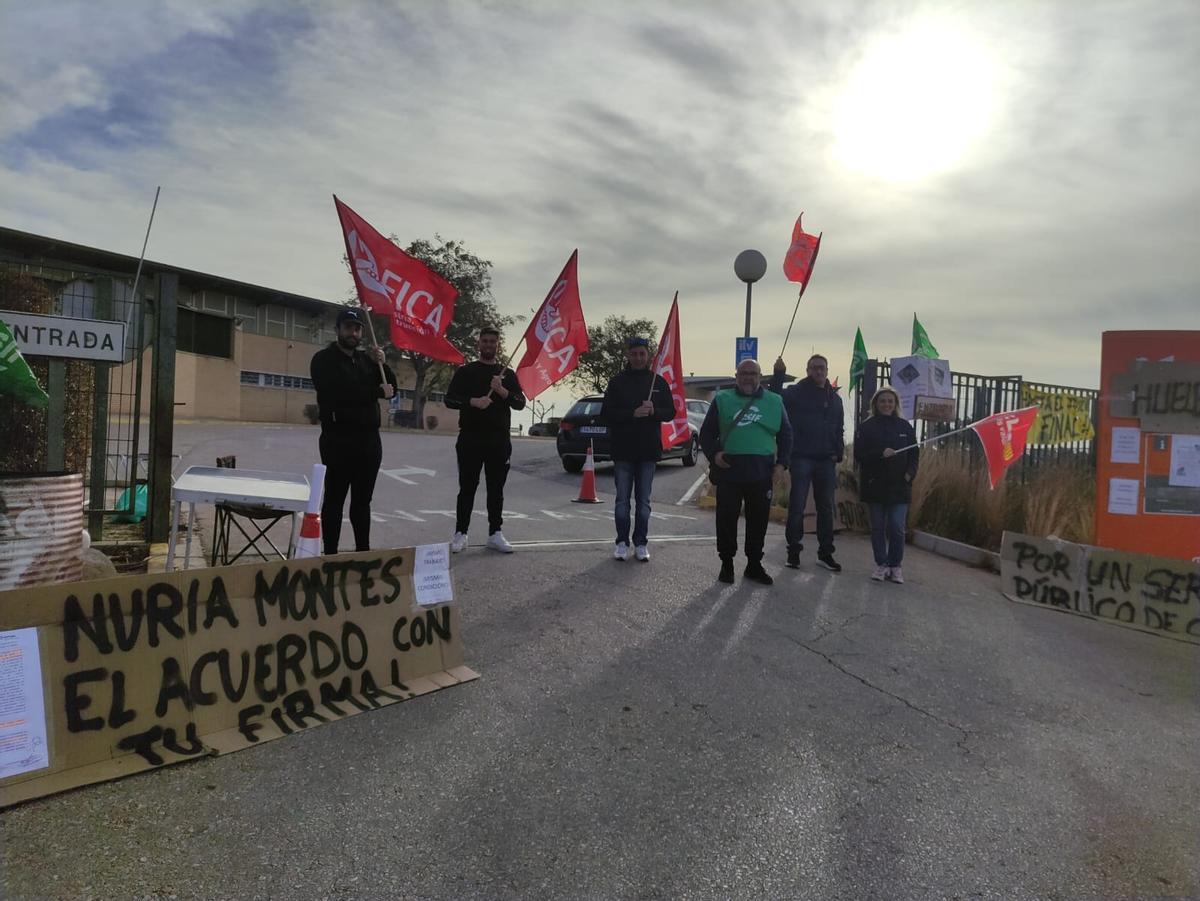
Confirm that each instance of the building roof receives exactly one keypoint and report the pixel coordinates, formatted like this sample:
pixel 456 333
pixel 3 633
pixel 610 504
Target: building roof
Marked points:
pixel 30 249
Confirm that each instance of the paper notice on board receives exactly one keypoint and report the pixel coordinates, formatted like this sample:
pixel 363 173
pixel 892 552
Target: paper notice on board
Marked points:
pixel 1123 496
pixel 23 745
pixel 1126 445
pixel 1185 461
pixel 431 574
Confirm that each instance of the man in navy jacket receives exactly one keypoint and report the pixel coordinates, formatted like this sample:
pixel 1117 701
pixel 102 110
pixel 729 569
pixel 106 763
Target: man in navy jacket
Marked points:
pixel 818 443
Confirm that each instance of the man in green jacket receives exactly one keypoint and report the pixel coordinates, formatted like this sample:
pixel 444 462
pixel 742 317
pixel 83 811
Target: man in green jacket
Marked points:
pixel 747 437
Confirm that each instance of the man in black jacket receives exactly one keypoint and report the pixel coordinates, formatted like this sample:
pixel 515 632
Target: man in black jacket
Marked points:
pixel 485 394
pixel 636 404
pixel 818 444
pixel 349 386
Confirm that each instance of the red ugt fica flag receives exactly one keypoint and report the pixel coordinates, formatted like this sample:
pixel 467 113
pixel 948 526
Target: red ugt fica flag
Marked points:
pixel 418 301
pixel 1003 436
pixel 556 336
pixel 669 364
pixel 802 255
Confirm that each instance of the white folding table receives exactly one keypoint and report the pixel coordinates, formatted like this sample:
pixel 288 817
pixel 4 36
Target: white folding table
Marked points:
pixel 287 491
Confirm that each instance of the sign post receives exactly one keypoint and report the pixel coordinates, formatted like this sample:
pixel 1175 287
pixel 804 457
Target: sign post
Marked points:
pixel 744 349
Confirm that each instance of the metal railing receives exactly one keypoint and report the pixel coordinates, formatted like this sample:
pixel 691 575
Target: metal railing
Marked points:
pixel 978 396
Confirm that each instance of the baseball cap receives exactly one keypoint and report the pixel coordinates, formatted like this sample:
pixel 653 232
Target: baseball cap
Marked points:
pixel 350 314
pixel 637 341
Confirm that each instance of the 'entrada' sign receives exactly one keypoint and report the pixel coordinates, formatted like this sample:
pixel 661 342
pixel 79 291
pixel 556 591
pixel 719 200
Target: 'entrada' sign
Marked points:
pixel 59 336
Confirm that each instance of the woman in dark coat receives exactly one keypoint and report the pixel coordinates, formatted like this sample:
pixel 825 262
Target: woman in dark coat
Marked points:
pixel 885 482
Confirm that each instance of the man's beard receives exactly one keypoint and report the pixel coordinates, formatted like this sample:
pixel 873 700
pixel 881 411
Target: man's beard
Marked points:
pixel 348 342
pixel 487 357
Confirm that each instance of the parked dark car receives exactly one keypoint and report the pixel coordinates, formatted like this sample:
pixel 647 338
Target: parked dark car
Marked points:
pixel 582 426
pixel 545 429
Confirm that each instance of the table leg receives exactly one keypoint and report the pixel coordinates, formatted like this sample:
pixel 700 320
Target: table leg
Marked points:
pixel 292 538
pixel 187 559
pixel 171 537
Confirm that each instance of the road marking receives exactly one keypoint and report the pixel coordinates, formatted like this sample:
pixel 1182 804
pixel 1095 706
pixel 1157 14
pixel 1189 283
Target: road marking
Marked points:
pixel 654 514
pixel 573 542
pixel 691 492
pixel 398 474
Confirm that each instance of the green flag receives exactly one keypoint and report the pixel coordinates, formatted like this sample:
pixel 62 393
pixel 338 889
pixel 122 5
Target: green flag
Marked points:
pixel 922 347
pixel 16 378
pixel 858 362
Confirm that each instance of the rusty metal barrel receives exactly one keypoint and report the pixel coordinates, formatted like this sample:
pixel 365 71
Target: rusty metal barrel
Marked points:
pixel 41 526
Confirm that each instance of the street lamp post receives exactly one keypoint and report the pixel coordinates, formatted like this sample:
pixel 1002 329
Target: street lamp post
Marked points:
pixel 749 266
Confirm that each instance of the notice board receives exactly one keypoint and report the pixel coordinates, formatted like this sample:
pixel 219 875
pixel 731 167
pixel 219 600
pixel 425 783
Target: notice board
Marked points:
pixel 1148 448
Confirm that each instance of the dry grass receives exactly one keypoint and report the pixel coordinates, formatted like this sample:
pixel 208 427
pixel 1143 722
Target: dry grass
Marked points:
pixel 951 498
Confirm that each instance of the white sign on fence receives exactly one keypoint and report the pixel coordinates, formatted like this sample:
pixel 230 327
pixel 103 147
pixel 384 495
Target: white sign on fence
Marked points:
pixel 60 336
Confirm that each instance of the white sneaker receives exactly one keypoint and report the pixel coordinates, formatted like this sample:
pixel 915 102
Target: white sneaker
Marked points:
pixel 642 553
pixel 895 575
pixel 880 573
pixel 497 542
pixel 621 551
pixel 458 543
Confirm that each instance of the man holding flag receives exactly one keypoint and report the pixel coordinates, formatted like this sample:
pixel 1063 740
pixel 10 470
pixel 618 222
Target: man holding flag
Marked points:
pixel 349 386
pixel 636 403
pixel 485 393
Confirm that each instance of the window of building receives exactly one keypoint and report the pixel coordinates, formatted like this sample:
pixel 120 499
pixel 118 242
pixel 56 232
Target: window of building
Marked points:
pixel 200 333
pixel 275 380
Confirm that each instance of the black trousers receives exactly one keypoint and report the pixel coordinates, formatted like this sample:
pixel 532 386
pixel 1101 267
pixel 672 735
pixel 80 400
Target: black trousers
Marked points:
pixel 490 452
pixel 351 464
pixel 756 497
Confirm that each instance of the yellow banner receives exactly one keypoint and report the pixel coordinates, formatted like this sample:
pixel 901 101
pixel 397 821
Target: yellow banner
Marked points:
pixel 1062 418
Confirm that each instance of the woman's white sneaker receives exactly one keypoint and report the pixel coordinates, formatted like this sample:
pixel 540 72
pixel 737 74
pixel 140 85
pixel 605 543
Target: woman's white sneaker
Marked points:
pixel 621 551
pixel 458 543
pixel 895 575
pixel 880 573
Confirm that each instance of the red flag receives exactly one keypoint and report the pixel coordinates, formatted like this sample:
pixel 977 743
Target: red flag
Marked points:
pixel 802 255
pixel 556 336
pixel 1003 437
pixel 418 301
pixel 669 364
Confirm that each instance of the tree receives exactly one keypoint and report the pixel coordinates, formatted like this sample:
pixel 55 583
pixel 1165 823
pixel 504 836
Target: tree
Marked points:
pixel 474 308
pixel 605 356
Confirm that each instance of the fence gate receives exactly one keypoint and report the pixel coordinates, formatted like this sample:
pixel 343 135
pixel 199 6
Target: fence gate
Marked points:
pixel 86 338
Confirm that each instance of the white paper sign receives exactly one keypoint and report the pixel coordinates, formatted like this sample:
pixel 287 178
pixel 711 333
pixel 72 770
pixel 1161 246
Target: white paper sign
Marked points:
pixel 23 745
pixel 1126 444
pixel 913 376
pixel 1185 461
pixel 1123 496
pixel 431 574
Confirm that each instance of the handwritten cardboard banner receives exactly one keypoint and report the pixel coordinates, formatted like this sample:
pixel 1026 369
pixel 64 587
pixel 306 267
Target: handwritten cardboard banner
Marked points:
pixel 1153 594
pixel 1163 396
pixel 145 671
pixel 1062 417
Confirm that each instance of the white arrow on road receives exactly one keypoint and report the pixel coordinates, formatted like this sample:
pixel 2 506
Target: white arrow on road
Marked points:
pixel 399 474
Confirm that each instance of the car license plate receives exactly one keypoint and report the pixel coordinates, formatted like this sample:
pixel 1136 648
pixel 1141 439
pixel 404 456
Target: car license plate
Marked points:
pixel 593 430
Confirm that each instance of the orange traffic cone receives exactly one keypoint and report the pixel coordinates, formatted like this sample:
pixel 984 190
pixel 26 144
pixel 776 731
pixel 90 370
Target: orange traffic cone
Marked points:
pixel 309 544
pixel 587 488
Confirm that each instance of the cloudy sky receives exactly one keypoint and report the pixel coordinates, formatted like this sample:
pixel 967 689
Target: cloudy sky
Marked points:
pixel 1023 175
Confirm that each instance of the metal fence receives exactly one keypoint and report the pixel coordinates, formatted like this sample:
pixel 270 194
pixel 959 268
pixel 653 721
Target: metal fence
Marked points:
pixel 978 396
pixel 93 424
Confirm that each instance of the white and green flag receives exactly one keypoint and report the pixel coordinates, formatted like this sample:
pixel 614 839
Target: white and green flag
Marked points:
pixel 16 378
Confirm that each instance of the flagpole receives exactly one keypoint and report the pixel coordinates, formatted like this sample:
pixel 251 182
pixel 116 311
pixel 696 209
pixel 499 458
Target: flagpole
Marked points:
pixel 371 329
pixel 803 288
pixel 138 275
pixel 965 428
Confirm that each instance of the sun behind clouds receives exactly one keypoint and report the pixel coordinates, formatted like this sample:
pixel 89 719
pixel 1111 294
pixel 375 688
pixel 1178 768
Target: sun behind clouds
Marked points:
pixel 917 103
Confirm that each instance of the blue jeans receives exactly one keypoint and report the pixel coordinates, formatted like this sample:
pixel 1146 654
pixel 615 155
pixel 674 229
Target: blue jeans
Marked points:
pixel 822 475
pixel 887 532
pixel 633 478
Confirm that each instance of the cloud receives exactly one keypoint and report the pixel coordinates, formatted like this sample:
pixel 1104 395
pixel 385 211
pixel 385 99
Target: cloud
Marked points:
pixel 659 139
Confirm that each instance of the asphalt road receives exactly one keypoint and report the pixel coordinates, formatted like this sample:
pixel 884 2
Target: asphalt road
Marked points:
pixel 641 731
